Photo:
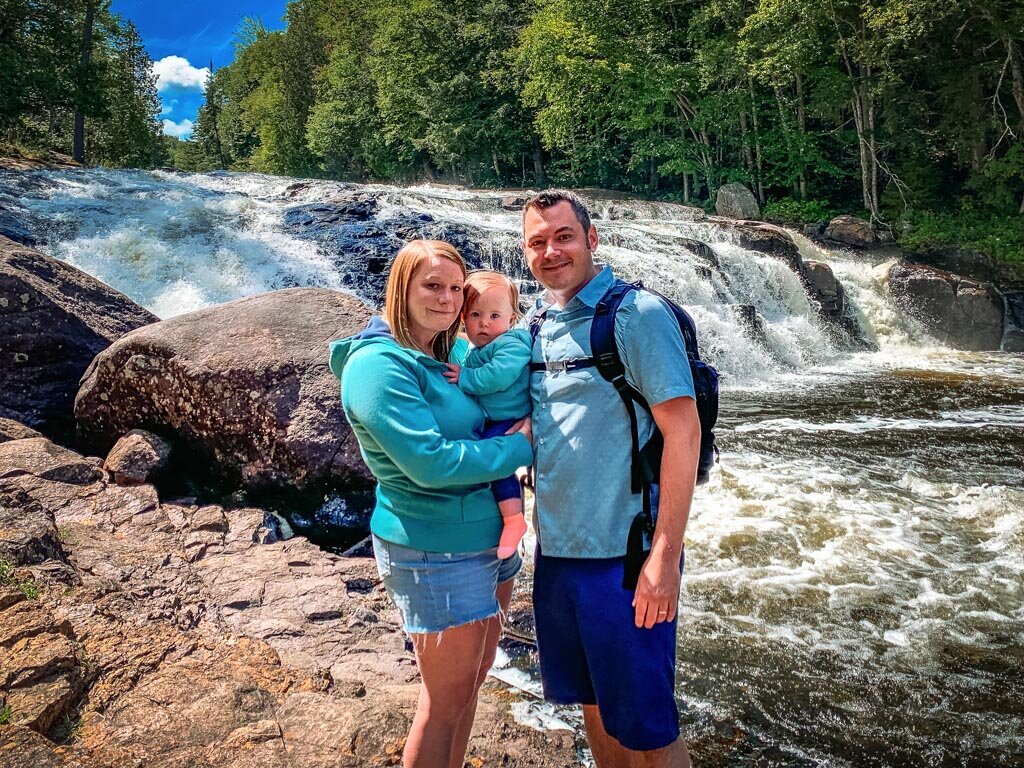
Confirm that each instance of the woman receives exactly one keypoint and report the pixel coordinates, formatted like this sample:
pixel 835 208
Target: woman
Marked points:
pixel 435 525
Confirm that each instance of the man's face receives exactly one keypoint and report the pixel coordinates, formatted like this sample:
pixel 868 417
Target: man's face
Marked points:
pixel 559 253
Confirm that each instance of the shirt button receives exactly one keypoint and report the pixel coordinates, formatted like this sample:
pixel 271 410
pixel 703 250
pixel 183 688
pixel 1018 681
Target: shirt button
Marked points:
pixel 541 441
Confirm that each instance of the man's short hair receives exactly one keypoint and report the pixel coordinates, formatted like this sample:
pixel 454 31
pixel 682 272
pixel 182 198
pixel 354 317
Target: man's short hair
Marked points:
pixel 550 197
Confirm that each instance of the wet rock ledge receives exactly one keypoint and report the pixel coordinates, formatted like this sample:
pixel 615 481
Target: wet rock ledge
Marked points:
pixel 139 632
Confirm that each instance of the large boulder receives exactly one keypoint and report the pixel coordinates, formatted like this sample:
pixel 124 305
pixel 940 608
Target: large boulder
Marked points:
pixel 964 313
pixel 769 239
pixel 849 230
pixel 54 320
pixel 735 201
pixel 243 389
pixel 822 283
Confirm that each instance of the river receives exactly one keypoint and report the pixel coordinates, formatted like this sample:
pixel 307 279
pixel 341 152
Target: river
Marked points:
pixel 854 589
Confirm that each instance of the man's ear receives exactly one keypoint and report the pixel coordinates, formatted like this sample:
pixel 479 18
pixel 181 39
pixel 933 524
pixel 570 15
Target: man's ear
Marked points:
pixel 592 239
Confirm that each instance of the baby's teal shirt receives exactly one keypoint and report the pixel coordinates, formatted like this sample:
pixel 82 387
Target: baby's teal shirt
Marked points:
pixel 498 375
pixel 418 435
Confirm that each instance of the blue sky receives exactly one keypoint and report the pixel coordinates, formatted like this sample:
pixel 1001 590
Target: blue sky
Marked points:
pixel 183 37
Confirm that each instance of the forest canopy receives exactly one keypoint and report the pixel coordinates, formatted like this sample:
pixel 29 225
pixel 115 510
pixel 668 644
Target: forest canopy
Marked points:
pixel 910 112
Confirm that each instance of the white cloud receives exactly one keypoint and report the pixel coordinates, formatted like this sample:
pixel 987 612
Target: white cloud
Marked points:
pixel 174 71
pixel 181 130
pixel 168 107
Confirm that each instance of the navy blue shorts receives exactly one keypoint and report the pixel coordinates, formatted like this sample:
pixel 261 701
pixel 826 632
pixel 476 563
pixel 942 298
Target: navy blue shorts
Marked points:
pixel 591 651
pixel 507 487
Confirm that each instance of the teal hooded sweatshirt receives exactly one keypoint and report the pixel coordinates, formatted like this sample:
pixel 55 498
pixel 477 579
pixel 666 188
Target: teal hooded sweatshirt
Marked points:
pixel 418 435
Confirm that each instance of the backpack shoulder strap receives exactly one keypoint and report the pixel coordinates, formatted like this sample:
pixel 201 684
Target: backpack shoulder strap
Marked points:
pixel 609 364
pixel 603 346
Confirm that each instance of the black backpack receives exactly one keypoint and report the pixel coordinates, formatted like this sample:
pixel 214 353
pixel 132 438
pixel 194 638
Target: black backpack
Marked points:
pixel 646 462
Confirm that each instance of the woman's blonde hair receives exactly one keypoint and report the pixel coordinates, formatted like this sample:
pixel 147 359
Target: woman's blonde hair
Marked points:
pixel 396 295
pixel 481 280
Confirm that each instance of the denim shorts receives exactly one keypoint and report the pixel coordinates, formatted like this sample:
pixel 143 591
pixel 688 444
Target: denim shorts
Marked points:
pixel 435 591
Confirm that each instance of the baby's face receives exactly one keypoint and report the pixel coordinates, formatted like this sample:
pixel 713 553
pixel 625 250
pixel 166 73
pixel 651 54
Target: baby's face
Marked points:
pixel 489 316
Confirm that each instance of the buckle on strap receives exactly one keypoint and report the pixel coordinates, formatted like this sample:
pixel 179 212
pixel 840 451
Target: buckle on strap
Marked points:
pixel 561 366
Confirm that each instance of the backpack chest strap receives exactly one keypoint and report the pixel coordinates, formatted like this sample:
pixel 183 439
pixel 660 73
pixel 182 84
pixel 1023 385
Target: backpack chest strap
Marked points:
pixel 561 366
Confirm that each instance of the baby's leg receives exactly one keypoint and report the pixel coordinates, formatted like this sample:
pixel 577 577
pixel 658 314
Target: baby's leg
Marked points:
pixel 508 494
pixel 514 526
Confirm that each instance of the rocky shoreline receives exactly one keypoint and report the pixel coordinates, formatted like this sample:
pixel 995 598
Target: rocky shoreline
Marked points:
pixel 137 632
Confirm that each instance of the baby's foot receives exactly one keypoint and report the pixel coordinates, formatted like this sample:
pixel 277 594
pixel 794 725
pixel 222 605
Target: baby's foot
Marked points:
pixel 511 535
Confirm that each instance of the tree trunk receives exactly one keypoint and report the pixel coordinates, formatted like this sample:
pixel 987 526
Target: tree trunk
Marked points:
pixel 786 133
pixel 862 143
pixel 873 146
pixel 653 183
pixel 757 142
pixel 494 160
pixel 78 143
pixel 538 164
pixel 1018 77
pixel 428 171
pixel 748 156
pixel 801 121
pixel 686 187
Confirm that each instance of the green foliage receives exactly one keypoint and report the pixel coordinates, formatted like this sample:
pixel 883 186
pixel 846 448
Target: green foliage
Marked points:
pixel 43 84
pixel 28 587
pixel 1001 238
pixel 5 714
pixel 790 211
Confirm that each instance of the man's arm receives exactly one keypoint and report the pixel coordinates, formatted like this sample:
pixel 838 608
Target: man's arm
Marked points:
pixel 657 591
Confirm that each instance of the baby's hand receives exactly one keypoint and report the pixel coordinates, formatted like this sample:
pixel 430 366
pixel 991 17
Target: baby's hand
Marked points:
pixel 452 374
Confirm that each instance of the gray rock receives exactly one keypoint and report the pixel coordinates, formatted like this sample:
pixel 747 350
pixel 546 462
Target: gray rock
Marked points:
pixel 242 389
pixel 512 202
pixel 964 313
pixel 849 230
pixel 769 239
pixel 735 201
pixel 15 430
pixel 54 319
pixel 136 456
pixel 1013 337
pixel 815 229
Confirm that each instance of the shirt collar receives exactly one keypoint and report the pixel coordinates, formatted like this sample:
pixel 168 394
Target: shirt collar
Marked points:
pixel 590 294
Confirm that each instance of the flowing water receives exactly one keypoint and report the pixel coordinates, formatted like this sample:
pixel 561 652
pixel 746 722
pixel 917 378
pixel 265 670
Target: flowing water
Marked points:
pixel 854 592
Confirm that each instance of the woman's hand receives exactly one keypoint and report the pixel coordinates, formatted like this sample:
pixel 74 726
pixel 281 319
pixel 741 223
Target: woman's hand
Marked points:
pixel 525 426
pixel 452 374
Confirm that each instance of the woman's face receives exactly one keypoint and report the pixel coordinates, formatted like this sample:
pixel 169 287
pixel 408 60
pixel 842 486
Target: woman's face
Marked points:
pixel 435 297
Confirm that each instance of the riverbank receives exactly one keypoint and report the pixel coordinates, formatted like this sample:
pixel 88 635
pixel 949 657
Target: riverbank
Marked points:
pixel 12 161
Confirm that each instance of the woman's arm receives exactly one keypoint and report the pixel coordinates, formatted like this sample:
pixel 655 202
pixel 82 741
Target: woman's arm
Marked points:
pixel 381 395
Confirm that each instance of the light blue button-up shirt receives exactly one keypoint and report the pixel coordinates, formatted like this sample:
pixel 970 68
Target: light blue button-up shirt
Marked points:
pixel 582 444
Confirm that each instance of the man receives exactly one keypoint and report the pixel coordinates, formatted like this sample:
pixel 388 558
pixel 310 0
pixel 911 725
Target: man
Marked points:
pixel 610 649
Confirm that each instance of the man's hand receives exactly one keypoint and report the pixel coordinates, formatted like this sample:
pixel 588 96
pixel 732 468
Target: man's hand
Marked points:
pixel 657 589
pixel 452 374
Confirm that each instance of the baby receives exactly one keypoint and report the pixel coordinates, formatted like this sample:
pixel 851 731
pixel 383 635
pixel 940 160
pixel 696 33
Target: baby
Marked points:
pixel 497 373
